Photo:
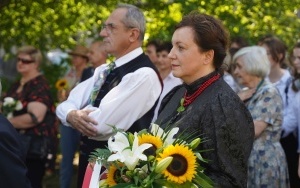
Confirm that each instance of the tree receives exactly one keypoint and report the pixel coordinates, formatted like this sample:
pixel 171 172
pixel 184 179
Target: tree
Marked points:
pixel 50 24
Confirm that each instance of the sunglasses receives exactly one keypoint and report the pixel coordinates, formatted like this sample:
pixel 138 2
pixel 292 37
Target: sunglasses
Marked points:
pixel 25 61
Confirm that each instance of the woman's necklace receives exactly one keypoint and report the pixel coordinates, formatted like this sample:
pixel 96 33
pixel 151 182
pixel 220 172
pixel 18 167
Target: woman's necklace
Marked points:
pixel 187 100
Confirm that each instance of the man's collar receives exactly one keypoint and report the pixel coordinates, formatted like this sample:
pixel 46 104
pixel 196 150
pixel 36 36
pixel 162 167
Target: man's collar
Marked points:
pixel 128 57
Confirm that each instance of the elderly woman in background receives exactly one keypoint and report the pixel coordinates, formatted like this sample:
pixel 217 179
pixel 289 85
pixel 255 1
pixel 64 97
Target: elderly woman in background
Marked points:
pixel 36 118
pixel 267 162
pixel 209 107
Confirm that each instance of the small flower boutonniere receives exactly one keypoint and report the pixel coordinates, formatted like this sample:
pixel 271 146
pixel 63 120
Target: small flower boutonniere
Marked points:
pixel 61 84
pixel 10 105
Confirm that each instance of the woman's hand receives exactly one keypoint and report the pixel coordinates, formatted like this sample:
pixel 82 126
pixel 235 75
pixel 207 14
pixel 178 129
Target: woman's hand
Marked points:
pixel 246 94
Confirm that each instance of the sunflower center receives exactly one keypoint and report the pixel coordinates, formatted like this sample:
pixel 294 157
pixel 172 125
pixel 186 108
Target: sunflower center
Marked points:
pixel 178 166
pixel 150 151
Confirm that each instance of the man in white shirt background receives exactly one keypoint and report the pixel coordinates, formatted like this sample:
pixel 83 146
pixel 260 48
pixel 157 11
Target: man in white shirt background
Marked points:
pixel 127 97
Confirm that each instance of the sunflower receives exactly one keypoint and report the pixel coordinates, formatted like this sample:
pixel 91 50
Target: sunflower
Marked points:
pixel 61 84
pixel 113 171
pixel 150 139
pixel 183 165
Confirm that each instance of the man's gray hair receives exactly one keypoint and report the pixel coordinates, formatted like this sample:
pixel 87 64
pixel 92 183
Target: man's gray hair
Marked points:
pixel 134 18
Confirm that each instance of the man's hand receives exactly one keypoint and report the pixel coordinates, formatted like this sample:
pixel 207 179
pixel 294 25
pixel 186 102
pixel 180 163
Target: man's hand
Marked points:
pixel 80 120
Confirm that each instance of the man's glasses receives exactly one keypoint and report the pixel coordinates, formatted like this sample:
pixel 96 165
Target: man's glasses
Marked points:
pixel 109 27
pixel 25 61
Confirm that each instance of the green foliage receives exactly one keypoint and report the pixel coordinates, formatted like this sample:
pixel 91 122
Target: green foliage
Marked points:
pixel 51 24
pixel 53 72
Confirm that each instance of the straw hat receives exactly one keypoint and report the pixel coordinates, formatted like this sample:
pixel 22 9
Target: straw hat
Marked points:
pixel 80 50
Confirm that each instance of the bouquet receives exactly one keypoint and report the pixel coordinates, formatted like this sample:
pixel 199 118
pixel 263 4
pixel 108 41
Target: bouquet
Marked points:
pixel 10 105
pixel 149 159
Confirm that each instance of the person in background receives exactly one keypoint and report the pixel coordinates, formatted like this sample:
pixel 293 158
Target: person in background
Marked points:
pixel 291 122
pixel 69 140
pixel 204 105
pixel 37 116
pixel 151 51
pixel 267 166
pixel 236 43
pixel 165 71
pixel 12 164
pixel 110 96
pixel 97 56
pixel 281 78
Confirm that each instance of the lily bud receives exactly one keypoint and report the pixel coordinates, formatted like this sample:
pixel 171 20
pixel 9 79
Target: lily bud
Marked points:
pixel 195 143
pixel 130 138
pixel 163 164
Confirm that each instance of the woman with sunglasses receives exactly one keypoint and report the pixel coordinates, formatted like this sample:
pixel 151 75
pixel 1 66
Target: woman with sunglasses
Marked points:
pixel 36 118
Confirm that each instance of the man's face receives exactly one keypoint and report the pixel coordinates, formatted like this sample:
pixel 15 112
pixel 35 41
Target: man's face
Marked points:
pixel 115 34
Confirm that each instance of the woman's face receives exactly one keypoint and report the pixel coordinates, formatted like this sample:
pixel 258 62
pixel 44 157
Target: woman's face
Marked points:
pixel 296 59
pixel 240 73
pixel 25 63
pixel 163 61
pixel 186 58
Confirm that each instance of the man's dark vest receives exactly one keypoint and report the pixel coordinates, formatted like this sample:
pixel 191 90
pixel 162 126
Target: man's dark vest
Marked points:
pixel 112 80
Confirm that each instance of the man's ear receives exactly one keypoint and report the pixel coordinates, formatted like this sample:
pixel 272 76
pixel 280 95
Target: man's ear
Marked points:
pixel 209 56
pixel 134 34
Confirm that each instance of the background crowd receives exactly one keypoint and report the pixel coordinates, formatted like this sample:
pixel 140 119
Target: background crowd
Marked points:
pixel 264 75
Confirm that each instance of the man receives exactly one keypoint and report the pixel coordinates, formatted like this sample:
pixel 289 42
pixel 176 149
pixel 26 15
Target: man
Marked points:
pixel 127 97
pixel 97 56
pixel 12 164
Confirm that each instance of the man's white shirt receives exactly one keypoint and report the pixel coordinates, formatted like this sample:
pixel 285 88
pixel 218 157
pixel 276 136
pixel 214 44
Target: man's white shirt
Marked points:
pixel 123 105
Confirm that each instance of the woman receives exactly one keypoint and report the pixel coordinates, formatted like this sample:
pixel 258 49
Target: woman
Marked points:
pixel 267 162
pixel 37 116
pixel 210 108
pixel 69 140
pixel 281 77
pixel 292 120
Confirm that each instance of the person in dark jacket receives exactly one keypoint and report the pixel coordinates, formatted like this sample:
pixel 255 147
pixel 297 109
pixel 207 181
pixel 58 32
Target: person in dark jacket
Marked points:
pixel 13 171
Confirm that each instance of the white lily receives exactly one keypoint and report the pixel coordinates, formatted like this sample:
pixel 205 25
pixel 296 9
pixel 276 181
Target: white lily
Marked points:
pixel 130 156
pixel 168 137
pixel 118 142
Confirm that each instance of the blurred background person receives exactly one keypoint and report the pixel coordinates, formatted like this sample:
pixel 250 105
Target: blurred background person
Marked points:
pixel 291 122
pixel 12 163
pixel 236 43
pixel 151 47
pixel 69 137
pixel 37 117
pixel 267 166
pixel 97 56
pixel 165 71
pixel 281 78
